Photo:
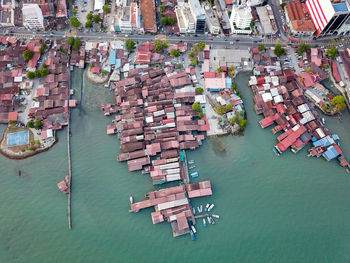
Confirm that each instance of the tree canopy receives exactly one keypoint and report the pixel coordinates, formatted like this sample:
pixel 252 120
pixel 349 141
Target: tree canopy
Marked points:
pixel 279 50
pixel 89 16
pixel 130 44
pixel 261 47
pixel 302 48
pixel 76 44
pixel 70 41
pixel 165 21
pixel 221 110
pixel 106 9
pixel 88 23
pixel 228 107
pixel 30 75
pixel 339 103
pixel 331 52
pixel 194 62
pixel 74 11
pixel 97 19
pixel 201 45
pixel 196 107
pixel 74 22
pixel 28 55
pixel 175 52
pixel 199 90
pixel 159 45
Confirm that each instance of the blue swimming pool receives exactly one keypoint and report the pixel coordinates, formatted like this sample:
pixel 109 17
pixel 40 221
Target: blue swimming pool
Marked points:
pixel 18 138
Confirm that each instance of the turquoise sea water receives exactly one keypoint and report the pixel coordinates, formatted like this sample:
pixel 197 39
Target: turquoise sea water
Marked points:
pixel 272 209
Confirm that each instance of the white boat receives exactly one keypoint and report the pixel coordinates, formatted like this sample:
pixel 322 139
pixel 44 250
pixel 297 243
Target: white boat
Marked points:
pixel 201 208
pixel 198 209
pixel 204 222
pixel 192 167
pixel 190 162
pixel 193 229
pixel 206 207
pixel 194 210
pixel 211 207
pixel 208 218
pixel 131 199
pixel 323 121
pixel 215 216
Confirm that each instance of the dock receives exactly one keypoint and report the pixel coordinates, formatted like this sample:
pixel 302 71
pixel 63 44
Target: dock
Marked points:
pixel 185 168
pixel 69 174
pixel 200 216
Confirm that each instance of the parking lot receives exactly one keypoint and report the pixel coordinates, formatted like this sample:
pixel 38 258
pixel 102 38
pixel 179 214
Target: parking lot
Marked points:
pixel 83 7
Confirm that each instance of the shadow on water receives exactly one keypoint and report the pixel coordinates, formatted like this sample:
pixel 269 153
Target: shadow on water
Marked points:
pixel 218 145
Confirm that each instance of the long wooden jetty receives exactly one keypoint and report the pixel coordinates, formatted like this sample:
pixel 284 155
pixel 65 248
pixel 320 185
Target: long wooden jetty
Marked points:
pixel 69 173
pixel 185 168
pixel 200 216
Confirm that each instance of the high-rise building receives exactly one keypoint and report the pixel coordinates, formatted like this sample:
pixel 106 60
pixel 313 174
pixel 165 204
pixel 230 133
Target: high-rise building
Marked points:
pixel 328 16
pixel 198 15
pixel 32 16
pixel 241 16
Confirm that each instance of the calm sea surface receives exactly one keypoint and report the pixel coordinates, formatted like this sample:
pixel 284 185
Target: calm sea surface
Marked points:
pixel 272 209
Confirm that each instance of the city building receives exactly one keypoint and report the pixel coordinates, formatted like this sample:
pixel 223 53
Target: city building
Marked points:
pixel 198 15
pixel 7 13
pixel 298 20
pixel 61 8
pixel 211 19
pixel 125 20
pixel 148 15
pixel 240 19
pixel 267 20
pixel 222 15
pixel 328 16
pixel 32 16
pixel 185 19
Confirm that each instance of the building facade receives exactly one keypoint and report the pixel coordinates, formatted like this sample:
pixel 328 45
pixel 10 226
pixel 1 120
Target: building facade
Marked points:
pixel 185 20
pixel 328 16
pixel 241 17
pixel 211 19
pixel 298 20
pixel 198 15
pixel 32 16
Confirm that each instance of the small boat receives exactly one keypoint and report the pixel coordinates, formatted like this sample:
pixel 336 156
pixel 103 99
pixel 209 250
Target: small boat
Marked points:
pixel 194 210
pixel 211 207
pixel 194 174
pixel 192 167
pixel 190 162
pixel 131 199
pixel 275 151
pixel 323 121
pixel 206 207
pixel 215 216
pixel 193 237
pixel 204 222
pixel 212 220
pixel 201 208
pixel 193 229
pixel 208 219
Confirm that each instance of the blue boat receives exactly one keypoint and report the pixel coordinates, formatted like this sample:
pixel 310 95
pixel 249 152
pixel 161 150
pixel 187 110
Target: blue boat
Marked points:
pixel 194 175
pixel 193 237
pixel 204 222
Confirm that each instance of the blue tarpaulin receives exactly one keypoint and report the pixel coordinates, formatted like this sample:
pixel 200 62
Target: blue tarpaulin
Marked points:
pixel 228 82
pixel 325 141
pixel 112 57
pixel 330 154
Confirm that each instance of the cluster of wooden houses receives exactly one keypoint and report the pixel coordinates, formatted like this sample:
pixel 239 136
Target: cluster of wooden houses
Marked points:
pixel 279 96
pixel 155 123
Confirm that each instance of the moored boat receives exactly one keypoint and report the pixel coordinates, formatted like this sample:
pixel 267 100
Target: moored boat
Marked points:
pixel 194 210
pixel 194 174
pixel 206 207
pixel 193 229
pixel 193 237
pixel 131 199
pixel 190 162
pixel 204 222
pixel 201 208
pixel 211 207
pixel 215 216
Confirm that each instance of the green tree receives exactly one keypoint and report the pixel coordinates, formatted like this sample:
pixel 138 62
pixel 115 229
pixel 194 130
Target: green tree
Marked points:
pixel 76 44
pixel 231 71
pixel 106 9
pixel 196 107
pixel 228 107
pixel 199 90
pixel 339 103
pixel 37 73
pixel 302 48
pixel 130 44
pixel 70 41
pixel 201 45
pixel 158 45
pixel 194 62
pixel 218 70
pixel 164 21
pixel 242 124
pixel 42 48
pixel 165 43
pixel 200 115
pixel 38 124
pixel 30 124
pixel 279 50
pixel 74 22
pixel 30 75
pixel 97 19
pixel 162 8
pixel 261 47
pixel 44 65
pixel 252 24
pixel 191 54
pixel 171 21
pixel 89 16
pixel 28 55
pixel 44 72
pixel 331 52
pixel 88 23
pixel 175 52
pixel 221 110
pixel 283 5
pixel 232 120
pixel 74 11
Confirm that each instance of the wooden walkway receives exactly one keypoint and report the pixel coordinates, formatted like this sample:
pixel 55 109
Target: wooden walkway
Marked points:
pixel 200 216
pixel 185 168
pixel 69 173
